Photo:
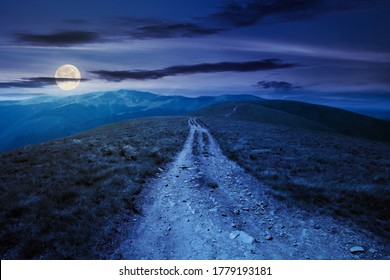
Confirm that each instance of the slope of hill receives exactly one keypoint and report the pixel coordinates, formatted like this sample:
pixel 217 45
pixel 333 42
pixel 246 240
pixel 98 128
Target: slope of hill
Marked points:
pixel 79 197
pixel 302 115
pixel 44 118
pixel 66 199
pixel 345 177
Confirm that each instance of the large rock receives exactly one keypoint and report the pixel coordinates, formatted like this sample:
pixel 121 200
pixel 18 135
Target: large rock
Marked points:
pixel 242 236
pixel 246 238
pixel 357 249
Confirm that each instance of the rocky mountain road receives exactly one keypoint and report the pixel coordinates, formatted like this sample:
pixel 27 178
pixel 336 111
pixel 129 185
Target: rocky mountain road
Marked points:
pixel 204 206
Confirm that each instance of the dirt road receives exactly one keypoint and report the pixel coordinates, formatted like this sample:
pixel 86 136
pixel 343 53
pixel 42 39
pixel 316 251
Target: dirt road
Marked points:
pixel 207 207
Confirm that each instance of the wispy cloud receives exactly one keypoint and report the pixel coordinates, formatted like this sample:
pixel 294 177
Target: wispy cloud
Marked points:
pixel 172 30
pixel 113 32
pixel 35 82
pixel 247 13
pixel 60 38
pixel 279 85
pixel 247 66
pixel 234 14
pixel 287 48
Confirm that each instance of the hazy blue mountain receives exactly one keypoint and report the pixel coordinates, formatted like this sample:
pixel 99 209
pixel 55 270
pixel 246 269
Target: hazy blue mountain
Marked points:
pixel 43 118
pixel 302 115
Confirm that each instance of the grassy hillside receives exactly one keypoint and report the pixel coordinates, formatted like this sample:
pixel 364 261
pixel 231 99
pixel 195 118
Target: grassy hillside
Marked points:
pixel 340 120
pixel 66 199
pixel 318 171
pixel 302 115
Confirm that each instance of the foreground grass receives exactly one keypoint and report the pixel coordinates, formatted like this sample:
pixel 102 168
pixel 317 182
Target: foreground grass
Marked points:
pixel 318 171
pixel 65 199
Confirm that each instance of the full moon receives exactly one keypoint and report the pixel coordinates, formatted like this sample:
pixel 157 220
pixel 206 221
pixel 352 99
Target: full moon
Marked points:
pixel 68 77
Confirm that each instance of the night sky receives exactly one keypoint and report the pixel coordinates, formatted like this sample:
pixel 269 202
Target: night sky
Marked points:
pixel 330 52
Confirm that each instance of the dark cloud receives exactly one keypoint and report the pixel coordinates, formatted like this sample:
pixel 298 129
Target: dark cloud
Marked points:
pixel 240 14
pixel 149 28
pixel 61 38
pixel 247 13
pixel 281 85
pixel 248 66
pixel 36 82
pixel 232 15
pixel 171 30
pixel 130 29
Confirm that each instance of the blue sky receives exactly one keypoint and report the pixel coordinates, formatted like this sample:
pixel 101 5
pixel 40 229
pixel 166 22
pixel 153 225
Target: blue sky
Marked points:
pixel 330 52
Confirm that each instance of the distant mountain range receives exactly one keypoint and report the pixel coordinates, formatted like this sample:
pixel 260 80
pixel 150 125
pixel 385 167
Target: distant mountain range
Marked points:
pixel 302 115
pixel 43 118
pixel 39 119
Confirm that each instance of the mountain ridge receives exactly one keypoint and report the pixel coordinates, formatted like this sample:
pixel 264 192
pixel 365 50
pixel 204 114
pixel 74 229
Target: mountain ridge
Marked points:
pixel 44 118
pixel 40 119
pixel 302 115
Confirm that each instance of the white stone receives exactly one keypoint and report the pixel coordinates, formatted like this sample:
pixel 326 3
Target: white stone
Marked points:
pixel 234 234
pixel 242 236
pixel 246 238
pixel 356 249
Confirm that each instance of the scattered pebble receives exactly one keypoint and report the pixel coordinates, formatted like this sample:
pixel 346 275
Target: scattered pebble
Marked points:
pixel 268 237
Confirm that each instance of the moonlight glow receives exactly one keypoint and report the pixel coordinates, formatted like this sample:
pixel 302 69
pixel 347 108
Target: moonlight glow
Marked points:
pixel 68 77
